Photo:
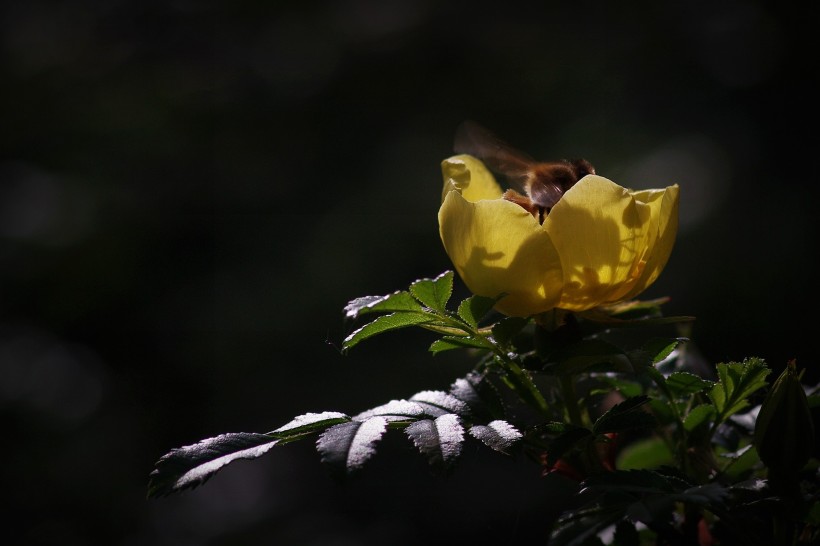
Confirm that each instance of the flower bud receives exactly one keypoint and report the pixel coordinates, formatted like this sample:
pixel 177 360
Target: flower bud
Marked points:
pixel 784 431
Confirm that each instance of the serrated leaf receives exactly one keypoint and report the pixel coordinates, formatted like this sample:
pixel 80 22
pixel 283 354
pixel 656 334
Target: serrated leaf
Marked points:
pixel 309 422
pixel 697 416
pixel 448 343
pixel 401 300
pixel 684 384
pixel 653 351
pixel 507 328
pixel 475 308
pixel 499 435
pixel 434 293
pixel 192 465
pixel 395 410
pixel 440 439
pixel 627 415
pixel 385 323
pixel 346 447
pixel 480 395
pixel 737 381
pixel 438 403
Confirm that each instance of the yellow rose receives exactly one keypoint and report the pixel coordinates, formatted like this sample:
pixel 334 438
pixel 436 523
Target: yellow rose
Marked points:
pixel 600 244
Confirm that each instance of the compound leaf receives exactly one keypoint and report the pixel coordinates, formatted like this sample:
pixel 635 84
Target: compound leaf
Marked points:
pixel 440 439
pixel 346 447
pixel 190 466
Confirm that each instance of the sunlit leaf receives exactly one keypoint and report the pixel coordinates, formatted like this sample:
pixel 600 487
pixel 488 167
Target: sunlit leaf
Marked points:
pixel 480 395
pixel 397 301
pixel 309 422
pixel 475 308
pixel 348 446
pixel 438 403
pixel 395 410
pixel 440 439
pixel 192 465
pixel 499 435
pixel 627 415
pixel 434 293
pixel 386 323
pixel 447 343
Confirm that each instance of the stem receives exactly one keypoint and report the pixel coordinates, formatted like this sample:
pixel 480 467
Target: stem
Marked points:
pixel 518 379
pixel 571 400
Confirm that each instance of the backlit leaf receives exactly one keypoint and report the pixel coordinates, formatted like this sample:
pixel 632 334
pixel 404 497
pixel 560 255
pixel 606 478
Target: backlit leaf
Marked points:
pixel 738 381
pixel 386 323
pixel 395 410
pixel 499 435
pixel 475 308
pixel 447 343
pixel 439 402
pixel 440 439
pixel 397 301
pixel 309 422
pixel 348 446
pixel 434 293
pixel 192 465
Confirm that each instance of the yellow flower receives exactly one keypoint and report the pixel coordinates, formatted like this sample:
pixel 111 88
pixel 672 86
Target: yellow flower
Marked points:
pixel 600 244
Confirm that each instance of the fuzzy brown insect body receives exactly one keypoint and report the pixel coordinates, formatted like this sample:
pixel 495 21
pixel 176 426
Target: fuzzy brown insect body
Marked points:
pixel 536 185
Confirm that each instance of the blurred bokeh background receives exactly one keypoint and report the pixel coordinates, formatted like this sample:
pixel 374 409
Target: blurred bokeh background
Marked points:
pixel 190 193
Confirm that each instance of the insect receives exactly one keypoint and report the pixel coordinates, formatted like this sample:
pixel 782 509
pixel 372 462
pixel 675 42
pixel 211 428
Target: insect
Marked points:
pixel 536 185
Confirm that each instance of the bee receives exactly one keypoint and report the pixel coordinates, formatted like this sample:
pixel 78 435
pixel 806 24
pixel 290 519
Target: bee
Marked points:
pixel 536 185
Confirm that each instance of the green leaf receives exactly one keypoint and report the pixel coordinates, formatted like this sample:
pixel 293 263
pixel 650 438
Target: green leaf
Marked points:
pixel 192 465
pixel 651 452
pixel 386 323
pixel 507 328
pixel 579 356
pixel 737 381
pixel 475 308
pixel 448 343
pixel 627 415
pixel 397 301
pixel 653 351
pixel 434 293
pixel 697 416
pixel 682 384
pixel 440 439
pixel 308 423
pixel 346 447
pixel 499 435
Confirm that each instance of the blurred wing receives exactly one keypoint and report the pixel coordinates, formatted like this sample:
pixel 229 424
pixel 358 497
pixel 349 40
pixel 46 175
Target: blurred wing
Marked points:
pixel 497 155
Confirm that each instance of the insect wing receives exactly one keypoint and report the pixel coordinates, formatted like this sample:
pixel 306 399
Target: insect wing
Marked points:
pixel 500 157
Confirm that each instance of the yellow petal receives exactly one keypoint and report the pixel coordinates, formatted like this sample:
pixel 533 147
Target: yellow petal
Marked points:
pixel 663 230
pixel 499 248
pixel 470 177
pixel 601 233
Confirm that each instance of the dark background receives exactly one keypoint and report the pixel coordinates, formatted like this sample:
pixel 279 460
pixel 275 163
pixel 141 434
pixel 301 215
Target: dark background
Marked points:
pixel 190 193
